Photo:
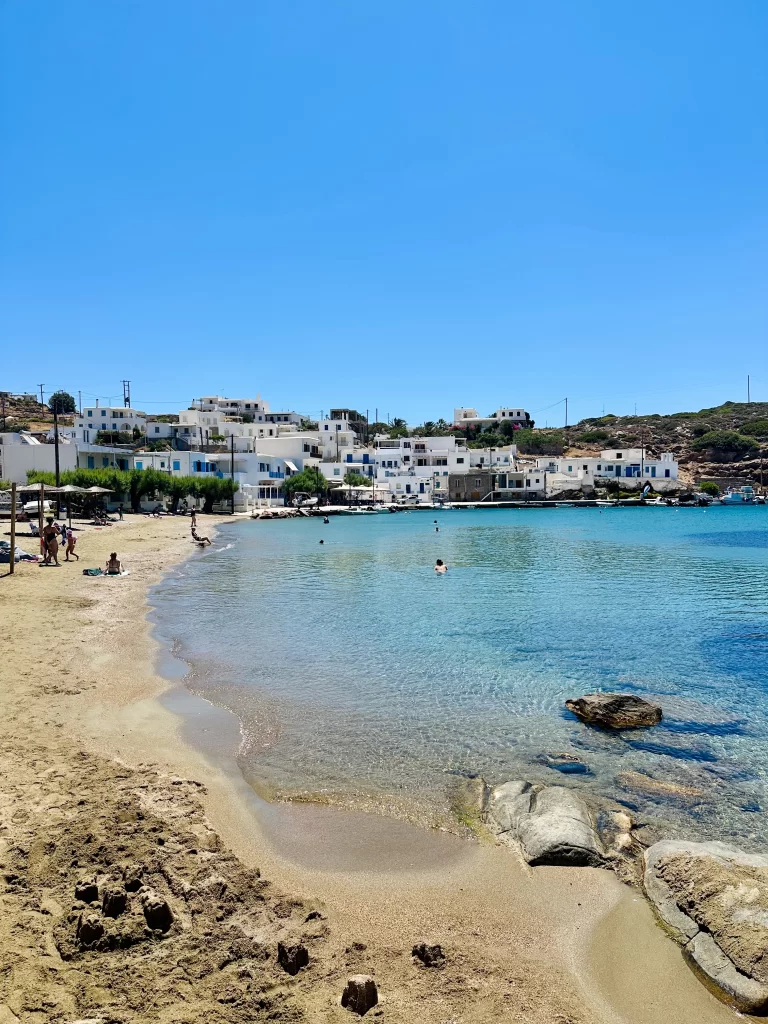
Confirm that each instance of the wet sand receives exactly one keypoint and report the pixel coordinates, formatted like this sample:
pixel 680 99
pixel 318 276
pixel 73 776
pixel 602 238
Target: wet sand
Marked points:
pixel 551 945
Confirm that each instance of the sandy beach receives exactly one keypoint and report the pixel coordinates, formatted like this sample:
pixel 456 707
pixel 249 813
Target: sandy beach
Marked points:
pixel 117 777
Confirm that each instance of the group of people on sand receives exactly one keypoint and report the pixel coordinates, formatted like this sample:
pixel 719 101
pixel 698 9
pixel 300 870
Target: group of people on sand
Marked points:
pixel 55 536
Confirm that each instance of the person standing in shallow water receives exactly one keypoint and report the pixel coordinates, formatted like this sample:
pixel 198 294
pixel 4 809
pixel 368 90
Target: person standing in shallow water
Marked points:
pixel 440 566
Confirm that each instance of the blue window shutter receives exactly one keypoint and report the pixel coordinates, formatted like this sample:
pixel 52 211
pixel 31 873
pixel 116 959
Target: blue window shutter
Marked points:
pixel 139 465
pixel 90 462
pixel 176 464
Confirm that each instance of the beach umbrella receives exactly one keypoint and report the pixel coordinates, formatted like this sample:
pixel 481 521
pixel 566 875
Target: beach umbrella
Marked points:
pixel 71 489
pixel 97 490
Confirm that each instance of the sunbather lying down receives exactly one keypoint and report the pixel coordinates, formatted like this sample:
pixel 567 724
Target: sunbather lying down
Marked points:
pixel 202 541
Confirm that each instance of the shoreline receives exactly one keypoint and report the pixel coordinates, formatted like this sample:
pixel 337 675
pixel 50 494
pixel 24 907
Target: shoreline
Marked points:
pixel 495 918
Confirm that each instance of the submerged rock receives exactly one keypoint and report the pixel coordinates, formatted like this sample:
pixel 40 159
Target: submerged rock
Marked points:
pixel 713 898
pixel 360 994
pixel 568 764
pixel 615 710
pixel 553 825
pixel 638 782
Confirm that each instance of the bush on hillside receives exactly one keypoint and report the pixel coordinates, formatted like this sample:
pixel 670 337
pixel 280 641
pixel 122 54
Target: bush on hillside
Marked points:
pixel 700 429
pixel 757 428
pixel 593 435
pixel 540 442
pixel 725 444
pixel 709 487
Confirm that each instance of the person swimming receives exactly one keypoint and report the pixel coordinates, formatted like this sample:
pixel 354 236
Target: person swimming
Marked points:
pixel 440 566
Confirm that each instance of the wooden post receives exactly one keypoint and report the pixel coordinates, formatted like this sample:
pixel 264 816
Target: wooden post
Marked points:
pixel 56 452
pixel 12 567
pixel 40 499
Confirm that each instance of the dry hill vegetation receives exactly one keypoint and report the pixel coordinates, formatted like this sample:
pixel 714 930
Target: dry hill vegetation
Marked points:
pixel 727 442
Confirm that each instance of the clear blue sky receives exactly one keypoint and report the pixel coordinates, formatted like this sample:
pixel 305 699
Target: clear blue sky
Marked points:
pixel 386 204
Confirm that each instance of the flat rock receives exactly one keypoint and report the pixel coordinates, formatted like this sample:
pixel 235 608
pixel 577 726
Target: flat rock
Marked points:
pixel 360 994
pixel 615 710
pixel 638 782
pixel 713 898
pixel 552 824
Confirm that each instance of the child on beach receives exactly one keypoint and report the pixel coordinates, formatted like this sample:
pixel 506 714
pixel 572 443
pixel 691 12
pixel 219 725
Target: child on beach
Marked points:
pixel 71 541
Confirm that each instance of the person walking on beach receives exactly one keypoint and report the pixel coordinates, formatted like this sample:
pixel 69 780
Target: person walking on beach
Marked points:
pixel 51 543
pixel 194 519
pixel 120 512
pixel 71 541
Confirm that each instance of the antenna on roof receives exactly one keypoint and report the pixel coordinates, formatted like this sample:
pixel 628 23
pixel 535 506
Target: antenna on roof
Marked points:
pixel 127 394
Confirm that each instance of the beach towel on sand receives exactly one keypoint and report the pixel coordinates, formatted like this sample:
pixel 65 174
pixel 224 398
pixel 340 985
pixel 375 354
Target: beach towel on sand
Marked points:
pixel 92 572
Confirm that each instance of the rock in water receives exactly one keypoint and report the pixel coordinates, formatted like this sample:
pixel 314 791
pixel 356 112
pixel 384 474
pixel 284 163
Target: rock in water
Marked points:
pixel 430 956
pixel 552 824
pixel 292 958
pixel 615 710
pixel 360 994
pixel 714 900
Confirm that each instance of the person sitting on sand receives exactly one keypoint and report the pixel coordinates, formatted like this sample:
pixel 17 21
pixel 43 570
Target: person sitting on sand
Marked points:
pixel 440 566
pixel 202 541
pixel 50 543
pixel 114 565
pixel 71 541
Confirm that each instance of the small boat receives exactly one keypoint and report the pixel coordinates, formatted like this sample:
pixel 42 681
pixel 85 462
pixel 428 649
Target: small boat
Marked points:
pixel 565 504
pixel 739 496
pixel 607 504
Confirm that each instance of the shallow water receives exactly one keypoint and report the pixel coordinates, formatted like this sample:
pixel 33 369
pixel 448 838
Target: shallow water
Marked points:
pixel 355 669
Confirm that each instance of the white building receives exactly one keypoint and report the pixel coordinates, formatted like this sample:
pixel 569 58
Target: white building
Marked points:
pixel 22 453
pixel 467 417
pixel 97 418
pixel 631 466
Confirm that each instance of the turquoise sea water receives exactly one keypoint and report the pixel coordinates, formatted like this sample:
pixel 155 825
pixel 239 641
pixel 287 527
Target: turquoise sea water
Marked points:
pixel 354 668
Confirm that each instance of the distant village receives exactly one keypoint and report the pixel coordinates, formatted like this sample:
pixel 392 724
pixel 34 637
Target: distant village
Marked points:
pixel 262 450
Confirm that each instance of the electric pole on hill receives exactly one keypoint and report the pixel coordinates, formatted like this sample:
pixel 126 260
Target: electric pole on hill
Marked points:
pixel 42 404
pixel 232 473
pixel 127 394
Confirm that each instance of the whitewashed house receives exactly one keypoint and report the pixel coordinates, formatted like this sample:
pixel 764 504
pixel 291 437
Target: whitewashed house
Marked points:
pixel 96 418
pixel 468 417
pixel 631 466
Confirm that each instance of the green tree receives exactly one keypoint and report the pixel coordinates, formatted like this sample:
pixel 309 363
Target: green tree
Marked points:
pixel 180 487
pixel 214 489
pixel 710 487
pixel 62 402
pixel 309 480
pixel 143 482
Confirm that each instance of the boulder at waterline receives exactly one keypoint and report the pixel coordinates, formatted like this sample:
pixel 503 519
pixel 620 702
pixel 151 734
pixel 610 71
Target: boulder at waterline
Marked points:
pixel 360 994
pixel 552 824
pixel 615 710
pixel 713 898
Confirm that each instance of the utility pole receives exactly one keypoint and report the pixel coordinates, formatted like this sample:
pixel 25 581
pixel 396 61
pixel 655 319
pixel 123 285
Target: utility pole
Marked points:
pixel 80 403
pixel 748 389
pixel 2 398
pixel 566 412
pixel 42 404
pixel 127 394
pixel 232 473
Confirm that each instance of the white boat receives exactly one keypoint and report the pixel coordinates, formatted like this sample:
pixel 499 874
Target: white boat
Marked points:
pixel 739 496
pixel 607 504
